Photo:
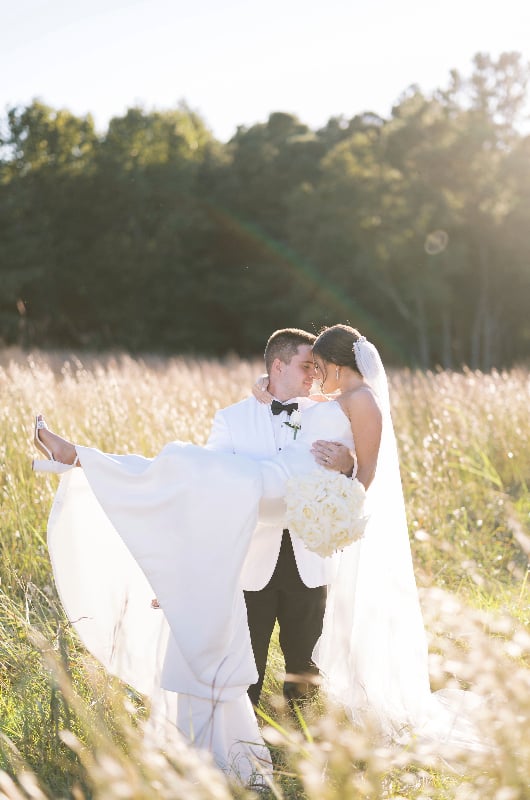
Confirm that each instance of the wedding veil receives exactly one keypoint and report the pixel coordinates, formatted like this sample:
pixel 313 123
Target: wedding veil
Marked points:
pixel 373 651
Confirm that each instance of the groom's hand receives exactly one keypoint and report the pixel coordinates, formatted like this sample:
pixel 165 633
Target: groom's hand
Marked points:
pixel 333 455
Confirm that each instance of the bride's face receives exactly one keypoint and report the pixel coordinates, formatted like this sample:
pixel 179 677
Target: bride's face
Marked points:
pixel 326 375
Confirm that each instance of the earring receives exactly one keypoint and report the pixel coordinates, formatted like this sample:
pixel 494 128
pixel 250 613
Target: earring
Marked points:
pixel 337 373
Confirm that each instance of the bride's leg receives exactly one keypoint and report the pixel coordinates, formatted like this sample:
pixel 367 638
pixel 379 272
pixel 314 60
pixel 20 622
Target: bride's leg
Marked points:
pixel 61 449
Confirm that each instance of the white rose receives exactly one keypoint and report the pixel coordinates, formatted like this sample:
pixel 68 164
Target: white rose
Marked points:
pixel 326 510
pixel 296 418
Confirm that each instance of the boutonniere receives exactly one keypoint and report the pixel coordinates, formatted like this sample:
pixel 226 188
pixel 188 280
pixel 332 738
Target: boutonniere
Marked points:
pixel 294 422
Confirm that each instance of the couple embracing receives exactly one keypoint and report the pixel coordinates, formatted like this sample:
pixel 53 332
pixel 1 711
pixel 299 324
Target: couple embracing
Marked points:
pixel 282 579
pixel 184 526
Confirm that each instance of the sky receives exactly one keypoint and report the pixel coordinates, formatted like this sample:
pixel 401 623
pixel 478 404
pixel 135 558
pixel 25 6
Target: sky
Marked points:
pixel 236 61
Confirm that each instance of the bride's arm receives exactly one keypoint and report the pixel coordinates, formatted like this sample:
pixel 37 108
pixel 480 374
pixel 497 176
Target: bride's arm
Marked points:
pixel 366 420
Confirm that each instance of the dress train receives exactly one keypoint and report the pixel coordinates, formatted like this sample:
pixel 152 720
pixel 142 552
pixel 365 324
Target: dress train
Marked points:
pixel 126 529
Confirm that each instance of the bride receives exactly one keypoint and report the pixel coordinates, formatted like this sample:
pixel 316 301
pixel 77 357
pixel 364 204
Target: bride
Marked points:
pixel 125 529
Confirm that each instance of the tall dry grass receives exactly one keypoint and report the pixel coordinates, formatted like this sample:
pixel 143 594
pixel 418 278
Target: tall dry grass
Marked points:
pixel 70 731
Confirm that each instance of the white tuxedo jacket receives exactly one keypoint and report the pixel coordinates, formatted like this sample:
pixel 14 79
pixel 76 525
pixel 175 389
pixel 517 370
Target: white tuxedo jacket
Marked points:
pixel 246 428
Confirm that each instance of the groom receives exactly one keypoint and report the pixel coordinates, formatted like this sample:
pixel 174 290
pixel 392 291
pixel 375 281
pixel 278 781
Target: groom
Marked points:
pixel 282 579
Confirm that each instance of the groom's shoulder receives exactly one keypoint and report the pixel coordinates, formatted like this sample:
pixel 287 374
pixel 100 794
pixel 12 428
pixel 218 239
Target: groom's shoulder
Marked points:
pixel 245 406
pixel 247 414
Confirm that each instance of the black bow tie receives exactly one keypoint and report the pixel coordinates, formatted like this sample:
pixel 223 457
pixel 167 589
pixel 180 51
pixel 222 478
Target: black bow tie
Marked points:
pixel 277 407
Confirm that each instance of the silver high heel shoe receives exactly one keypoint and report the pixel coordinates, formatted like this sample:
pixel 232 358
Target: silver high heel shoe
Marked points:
pixel 50 464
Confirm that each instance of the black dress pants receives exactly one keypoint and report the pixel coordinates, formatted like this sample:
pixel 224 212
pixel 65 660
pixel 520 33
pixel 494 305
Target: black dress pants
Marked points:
pixel 300 614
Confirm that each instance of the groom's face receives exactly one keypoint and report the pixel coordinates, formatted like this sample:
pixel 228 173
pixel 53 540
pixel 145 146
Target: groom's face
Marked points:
pixel 295 379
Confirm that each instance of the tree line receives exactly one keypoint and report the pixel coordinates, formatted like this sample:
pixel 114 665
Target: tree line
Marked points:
pixel 155 236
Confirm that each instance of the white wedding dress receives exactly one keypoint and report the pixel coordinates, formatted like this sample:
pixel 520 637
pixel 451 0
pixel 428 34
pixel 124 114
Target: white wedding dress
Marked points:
pixel 126 529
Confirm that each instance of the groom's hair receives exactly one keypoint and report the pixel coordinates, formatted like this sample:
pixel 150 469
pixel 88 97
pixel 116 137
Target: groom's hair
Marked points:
pixel 284 344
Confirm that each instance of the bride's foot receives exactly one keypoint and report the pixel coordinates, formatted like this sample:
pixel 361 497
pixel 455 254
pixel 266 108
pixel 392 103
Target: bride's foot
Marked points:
pixel 60 453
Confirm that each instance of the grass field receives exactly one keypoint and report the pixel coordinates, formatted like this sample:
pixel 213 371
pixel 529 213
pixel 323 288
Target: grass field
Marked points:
pixel 67 730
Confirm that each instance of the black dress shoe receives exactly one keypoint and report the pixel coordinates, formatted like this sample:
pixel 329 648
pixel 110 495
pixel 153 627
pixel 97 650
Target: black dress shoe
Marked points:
pixel 300 692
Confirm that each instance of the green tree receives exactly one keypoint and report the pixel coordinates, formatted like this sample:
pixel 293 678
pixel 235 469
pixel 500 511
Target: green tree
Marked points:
pixel 156 236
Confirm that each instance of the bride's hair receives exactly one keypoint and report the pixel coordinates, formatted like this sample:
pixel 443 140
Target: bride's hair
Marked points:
pixel 335 346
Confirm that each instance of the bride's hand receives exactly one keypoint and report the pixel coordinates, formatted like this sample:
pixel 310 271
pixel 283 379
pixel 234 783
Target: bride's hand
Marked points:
pixel 260 390
pixel 334 456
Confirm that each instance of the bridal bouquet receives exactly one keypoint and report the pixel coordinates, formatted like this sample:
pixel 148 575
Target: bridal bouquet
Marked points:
pixel 326 510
